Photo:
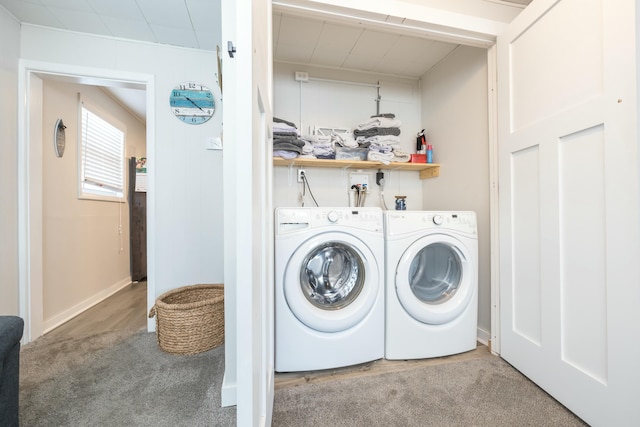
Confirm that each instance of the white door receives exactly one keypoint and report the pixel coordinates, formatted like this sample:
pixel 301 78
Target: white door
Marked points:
pixel 249 283
pixel 569 204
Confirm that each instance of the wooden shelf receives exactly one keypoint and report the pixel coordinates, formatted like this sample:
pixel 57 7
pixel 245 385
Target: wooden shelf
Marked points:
pixel 427 170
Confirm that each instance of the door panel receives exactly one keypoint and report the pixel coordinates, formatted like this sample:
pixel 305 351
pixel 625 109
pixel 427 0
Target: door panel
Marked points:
pixel 569 204
pixel 527 312
pixel 583 243
pixel 567 67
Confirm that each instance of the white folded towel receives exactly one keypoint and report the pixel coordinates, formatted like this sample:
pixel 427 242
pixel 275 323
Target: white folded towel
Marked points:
pixel 308 148
pixel 285 154
pixel 344 140
pixel 283 127
pixel 379 122
pixel 392 140
pixel 376 156
pixel 400 156
pixel 317 139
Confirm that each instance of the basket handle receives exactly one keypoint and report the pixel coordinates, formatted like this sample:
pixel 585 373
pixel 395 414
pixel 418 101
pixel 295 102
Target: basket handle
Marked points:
pixel 152 312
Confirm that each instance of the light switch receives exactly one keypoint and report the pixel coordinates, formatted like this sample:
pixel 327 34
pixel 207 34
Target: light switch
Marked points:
pixel 213 143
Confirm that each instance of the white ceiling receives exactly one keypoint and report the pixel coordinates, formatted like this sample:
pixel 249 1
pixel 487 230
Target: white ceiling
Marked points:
pixel 186 23
pixel 308 41
pixel 303 40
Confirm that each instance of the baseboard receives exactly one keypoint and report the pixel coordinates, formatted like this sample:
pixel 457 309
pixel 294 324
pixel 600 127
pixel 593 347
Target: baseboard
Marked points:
pixel 70 313
pixel 484 336
pixel 228 393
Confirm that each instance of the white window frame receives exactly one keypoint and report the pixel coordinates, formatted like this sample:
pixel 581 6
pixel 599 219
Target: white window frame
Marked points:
pixel 95 192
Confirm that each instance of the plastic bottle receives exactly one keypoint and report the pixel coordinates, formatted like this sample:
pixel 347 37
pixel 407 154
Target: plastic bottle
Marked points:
pixel 429 154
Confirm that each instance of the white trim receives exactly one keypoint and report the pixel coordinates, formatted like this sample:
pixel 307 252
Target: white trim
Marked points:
pixel 511 3
pixel 484 337
pixel 344 82
pixel 228 392
pixel 29 207
pixel 68 314
pixel 494 193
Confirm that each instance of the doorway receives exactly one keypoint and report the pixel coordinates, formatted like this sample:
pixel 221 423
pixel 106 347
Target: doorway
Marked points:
pixel 39 255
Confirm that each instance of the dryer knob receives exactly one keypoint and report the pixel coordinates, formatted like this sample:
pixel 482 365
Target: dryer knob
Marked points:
pixel 332 216
pixel 437 219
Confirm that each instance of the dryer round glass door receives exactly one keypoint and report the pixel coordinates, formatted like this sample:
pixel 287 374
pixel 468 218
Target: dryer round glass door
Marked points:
pixel 435 279
pixel 331 282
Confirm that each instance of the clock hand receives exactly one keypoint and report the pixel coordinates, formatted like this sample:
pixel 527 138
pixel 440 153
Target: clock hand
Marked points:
pixel 191 101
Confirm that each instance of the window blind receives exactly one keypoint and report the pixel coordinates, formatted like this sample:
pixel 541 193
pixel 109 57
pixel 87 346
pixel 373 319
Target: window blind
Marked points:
pixel 102 156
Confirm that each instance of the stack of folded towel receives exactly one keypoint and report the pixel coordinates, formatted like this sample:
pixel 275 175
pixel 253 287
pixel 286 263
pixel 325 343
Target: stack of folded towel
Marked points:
pixel 286 141
pixel 319 147
pixel 381 134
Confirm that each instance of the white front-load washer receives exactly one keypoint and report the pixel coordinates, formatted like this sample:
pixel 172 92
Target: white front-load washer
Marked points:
pixel 431 263
pixel 329 284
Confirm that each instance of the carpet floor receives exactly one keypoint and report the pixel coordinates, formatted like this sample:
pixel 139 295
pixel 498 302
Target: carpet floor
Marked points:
pixel 119 379
pixel 480 392
pixel 124 379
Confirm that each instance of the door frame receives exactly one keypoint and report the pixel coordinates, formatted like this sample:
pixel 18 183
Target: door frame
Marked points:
pixel 30 233
pixel 458 34
pixel 494 193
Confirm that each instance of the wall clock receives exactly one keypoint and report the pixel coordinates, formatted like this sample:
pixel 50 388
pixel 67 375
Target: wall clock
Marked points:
pixel 59 138
pixel 192 103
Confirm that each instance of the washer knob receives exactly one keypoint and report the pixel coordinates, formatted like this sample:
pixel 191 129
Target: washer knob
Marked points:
pixel 437 219
pixel 332 216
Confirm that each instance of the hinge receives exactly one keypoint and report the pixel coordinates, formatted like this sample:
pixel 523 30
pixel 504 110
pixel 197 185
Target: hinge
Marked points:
pixel 231 49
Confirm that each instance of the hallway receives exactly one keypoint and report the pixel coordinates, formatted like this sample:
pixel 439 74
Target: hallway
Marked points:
pixel 124 310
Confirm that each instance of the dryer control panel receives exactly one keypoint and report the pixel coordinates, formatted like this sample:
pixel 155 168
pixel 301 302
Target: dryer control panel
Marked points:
pixel 400 222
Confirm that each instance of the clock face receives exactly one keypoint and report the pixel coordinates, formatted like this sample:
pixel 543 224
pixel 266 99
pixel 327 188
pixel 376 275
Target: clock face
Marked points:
pixel 192 103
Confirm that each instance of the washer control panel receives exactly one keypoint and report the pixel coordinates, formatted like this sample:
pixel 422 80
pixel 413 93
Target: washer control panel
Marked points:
pixel 299 218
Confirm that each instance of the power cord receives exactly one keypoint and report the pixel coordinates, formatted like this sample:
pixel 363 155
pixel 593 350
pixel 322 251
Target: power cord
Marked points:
pixel 305 185
pixel 380 182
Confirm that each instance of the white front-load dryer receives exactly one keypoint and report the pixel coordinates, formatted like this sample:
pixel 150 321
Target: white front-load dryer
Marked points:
pixel 329 284
pixel 431 263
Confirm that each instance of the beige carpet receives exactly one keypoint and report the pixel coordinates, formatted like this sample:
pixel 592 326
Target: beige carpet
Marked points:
pixel 479 392
pixel 119 379
pixel 124 379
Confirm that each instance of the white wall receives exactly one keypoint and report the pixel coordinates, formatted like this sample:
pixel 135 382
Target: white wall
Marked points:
pixel 186 197
pixel 343 105
pixel 455 114
pixel 9 55
pixel 86 242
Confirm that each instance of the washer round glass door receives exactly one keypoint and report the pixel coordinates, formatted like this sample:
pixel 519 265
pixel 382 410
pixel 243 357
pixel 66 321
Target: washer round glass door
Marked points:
pixel 331 282
pixel 434 279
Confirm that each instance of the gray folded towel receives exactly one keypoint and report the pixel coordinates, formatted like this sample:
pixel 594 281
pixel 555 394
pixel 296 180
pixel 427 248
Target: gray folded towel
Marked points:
pixel 286 146
pixel 294 141
pixel 277 120
pixel 377 131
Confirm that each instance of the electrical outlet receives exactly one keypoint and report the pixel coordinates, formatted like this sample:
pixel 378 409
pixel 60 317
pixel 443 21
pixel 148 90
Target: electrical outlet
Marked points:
pixel 301 173
pixel 301 76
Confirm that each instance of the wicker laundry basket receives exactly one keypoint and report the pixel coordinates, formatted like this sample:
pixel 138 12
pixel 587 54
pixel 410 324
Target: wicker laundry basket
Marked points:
pixel 190 319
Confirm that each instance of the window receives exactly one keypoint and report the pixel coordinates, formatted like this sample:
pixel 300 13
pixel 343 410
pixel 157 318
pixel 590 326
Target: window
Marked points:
pixel 102 158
